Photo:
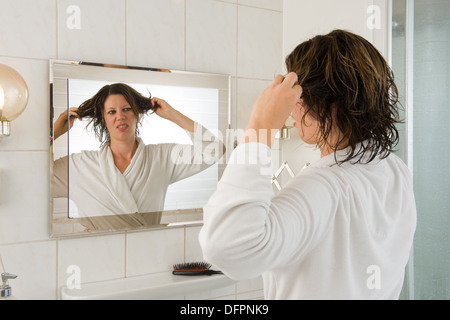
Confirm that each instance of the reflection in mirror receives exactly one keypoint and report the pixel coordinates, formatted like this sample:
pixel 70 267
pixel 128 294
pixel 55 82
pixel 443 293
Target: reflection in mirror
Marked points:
pixel 160 174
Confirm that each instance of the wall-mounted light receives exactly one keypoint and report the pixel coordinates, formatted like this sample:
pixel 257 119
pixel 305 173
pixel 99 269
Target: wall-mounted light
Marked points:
pixel 13 98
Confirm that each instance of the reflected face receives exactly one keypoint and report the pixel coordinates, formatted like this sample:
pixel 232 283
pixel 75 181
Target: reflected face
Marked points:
pixel 119 118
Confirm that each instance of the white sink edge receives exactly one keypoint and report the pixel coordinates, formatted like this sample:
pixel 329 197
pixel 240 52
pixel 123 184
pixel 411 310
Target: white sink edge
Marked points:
pixel 149 287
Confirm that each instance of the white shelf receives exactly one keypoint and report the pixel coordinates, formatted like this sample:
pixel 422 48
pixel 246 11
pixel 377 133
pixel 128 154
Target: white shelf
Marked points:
pixel 149 287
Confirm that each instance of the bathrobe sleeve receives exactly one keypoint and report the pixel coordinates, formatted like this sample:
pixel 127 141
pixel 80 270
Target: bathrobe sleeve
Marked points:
pixel 248 231
pixel 186 160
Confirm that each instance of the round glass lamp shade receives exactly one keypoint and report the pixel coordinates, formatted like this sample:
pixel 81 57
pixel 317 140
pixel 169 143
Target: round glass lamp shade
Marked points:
pixel 13 93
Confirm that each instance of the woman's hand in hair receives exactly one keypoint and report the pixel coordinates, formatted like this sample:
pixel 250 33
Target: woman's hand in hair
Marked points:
pixel 64 122
pixel 272 108
pixel 163 109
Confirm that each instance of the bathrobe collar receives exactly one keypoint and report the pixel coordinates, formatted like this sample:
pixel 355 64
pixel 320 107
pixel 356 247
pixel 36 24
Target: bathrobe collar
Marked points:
pixel 115 181
pixel 335 158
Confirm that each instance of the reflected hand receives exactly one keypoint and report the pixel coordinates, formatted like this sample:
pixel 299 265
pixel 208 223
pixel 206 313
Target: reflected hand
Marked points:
pixel 164 110
pixel 65 122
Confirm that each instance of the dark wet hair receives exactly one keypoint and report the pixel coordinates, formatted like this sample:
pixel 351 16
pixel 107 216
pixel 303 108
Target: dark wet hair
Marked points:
pixel 93 108
pixel 345 70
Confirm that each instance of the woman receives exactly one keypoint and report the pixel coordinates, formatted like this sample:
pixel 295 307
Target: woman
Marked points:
pixel 343 227
pixel 125 176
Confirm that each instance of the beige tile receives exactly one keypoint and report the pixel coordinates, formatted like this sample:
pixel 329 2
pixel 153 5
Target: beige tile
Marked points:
pixel 193 249
pixel 211 36
pixel 248 90
pixel 154 251
pixel 28 28
pixel 98 258
pixel 156 33
pixel 25 207
pixel 100 34
pixel 259 43
pixel 34 264
pixel 265 4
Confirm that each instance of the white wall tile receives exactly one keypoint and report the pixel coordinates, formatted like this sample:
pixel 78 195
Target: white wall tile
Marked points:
pixel 193 249
pixel 99 258
pixel 154 251
pixel 34 264
pixel 266 4
pixel 320 17
pixel 248 90
pixel 156 33
pixel 211 36
pixel 24 211
pixel 259 43
pixel 28 28
pixel 101 33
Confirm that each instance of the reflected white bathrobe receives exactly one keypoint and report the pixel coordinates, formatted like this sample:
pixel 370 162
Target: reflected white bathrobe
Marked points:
pixel 334 232
pixel 98 188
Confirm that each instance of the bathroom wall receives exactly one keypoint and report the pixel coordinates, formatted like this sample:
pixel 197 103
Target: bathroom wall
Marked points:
pixel 238 37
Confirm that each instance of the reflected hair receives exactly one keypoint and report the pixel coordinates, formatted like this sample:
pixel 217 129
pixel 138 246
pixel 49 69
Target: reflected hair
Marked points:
pixel 93 108
pixel 347 83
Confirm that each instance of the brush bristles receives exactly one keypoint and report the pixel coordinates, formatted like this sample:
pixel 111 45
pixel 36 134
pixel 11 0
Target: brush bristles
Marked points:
pixel 192 266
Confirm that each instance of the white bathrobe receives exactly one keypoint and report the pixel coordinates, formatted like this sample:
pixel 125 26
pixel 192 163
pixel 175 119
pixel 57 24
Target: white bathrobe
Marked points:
pixel 98 188
pixel 334 232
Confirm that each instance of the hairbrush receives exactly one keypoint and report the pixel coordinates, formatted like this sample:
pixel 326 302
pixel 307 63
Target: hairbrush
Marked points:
pixel 194 269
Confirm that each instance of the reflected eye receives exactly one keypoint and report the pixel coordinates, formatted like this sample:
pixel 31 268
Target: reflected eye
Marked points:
pixel 121 109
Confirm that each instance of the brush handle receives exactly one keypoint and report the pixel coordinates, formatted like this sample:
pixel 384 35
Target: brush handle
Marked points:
pixel 196 273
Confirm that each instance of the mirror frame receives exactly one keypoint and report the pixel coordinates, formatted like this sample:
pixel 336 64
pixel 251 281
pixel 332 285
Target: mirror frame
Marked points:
pixel 59 73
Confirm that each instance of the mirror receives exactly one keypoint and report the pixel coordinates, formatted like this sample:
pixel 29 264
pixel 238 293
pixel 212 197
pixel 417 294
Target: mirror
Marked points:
pixel 180 169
